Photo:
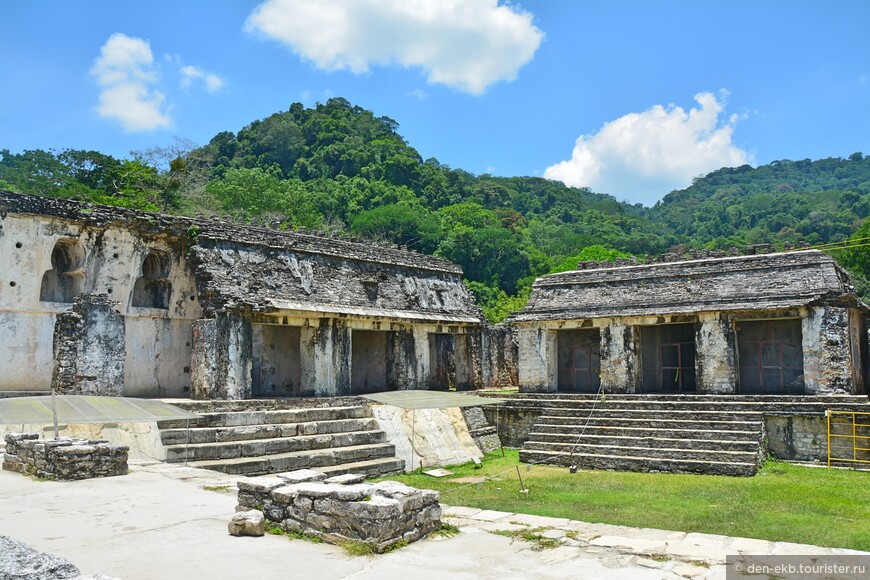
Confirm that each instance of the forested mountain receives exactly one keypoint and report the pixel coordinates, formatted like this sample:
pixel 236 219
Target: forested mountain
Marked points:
pixel 338 167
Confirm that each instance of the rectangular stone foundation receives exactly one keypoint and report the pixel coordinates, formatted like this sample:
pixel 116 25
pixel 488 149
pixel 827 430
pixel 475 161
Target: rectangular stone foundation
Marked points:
pixel 343 508
pixel 63 458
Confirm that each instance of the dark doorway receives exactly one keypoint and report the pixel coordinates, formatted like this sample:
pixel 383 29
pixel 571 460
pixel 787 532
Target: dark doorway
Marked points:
pixel 668 358
pixel 276 369
pixel 368 370
pixel 442 362
pixel 579 361
pixel 770 357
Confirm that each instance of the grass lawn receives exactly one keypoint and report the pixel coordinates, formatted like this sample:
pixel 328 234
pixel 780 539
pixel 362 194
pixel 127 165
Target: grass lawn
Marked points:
pixel 784 502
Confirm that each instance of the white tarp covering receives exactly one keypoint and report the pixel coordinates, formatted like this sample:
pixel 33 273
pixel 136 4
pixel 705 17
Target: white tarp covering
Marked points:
pixel 431 399
pixel 80 409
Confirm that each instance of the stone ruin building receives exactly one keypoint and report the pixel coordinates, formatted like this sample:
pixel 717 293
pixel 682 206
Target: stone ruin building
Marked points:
pixel 101 300
pixel 767 324
pixel 707 362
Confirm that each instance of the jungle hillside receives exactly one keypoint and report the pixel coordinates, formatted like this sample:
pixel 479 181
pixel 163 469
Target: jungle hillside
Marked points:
pixel 340 168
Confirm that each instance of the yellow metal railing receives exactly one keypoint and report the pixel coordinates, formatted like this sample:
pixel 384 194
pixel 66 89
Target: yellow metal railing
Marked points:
pixel 848 437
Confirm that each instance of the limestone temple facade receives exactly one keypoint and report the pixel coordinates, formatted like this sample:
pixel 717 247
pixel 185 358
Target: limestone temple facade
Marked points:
pixel 102 300
pixel 107 300
pixel 766 324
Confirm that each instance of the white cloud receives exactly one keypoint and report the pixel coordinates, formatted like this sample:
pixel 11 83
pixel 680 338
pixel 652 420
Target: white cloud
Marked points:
pixel 125 71
pixel 418 94
pixel 190 74
pixel 465 44
pixel 643 156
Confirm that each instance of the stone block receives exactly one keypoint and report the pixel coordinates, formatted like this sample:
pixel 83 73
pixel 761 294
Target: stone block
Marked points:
pixel 302 475
pixel 346 479
pixel 249 523
pixel 263 484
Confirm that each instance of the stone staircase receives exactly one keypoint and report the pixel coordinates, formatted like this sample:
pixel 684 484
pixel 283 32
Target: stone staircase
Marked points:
pixel 257 437
pixel 712 434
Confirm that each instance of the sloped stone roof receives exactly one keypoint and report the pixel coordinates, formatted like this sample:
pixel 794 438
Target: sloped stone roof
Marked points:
pixel 758 282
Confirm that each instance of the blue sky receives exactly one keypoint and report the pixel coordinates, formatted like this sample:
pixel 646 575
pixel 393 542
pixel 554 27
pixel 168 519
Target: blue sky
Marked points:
pixel 632 98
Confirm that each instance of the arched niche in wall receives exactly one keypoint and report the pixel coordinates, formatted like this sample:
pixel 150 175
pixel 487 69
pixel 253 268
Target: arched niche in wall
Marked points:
pixel 153 288
pixel 66 278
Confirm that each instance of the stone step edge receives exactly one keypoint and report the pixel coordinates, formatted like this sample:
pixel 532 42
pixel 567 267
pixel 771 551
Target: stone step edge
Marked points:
pixel 622 429
pixel 276 411
pixel 362 465
pixel 659 419
pixel 639 458
pixel 214 444
pixel 716 441
pixel 175 430
pixel 267 458
pixel 608 447
pixel 563 412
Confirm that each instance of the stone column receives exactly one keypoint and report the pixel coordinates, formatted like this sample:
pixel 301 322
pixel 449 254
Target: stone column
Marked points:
pixel 716 370
pixel 537 359
pixel 222 357
pixel 405 358
pixel 326 358
pixel 619 360
pixel 464 362
pixel 89 348
pixel 827 354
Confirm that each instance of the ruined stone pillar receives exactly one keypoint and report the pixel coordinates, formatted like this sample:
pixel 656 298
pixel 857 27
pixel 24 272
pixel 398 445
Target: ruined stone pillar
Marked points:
pixel 406 350
pixel 537 359
pixel 716 370
pixel 619 360
pixel 222 357
pixel 326 358
pixel 827 353
pixel 89 348
pixel 464 362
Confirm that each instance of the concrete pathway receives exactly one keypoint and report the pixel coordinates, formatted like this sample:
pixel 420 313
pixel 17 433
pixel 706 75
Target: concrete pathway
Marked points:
pixel 167 521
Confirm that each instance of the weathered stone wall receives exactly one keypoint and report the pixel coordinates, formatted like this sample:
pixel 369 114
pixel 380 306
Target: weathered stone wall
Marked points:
pixel 537 359
pixel 514 423
pixel 484 433
pixel 63 458
pixel 343 508
pixel 109 252
pixel 797 438
pixel 222 357
pixel 827 352
pixel 715 360
pixel 89 348
pixel 619 358
pixel 487 358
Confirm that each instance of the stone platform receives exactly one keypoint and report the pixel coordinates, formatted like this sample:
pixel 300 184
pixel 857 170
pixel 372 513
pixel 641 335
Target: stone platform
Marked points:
pixel 343 508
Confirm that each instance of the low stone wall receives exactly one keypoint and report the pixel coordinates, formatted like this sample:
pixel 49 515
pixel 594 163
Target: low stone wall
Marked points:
pixel 343 508
pixel 797 438
pixel 63 458
pixel 514 423
pixel 483 432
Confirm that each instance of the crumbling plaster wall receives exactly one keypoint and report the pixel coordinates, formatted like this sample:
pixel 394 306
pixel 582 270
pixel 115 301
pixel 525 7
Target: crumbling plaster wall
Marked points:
pixel 827 351
pixel 113 256
pixel 716 368
pixel 89 348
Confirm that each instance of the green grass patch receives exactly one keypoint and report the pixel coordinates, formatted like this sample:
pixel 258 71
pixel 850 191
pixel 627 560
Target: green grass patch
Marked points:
pixel 445 531
pixel 784 502
pixel 218 488
pixel 357 548
pixel 276 530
